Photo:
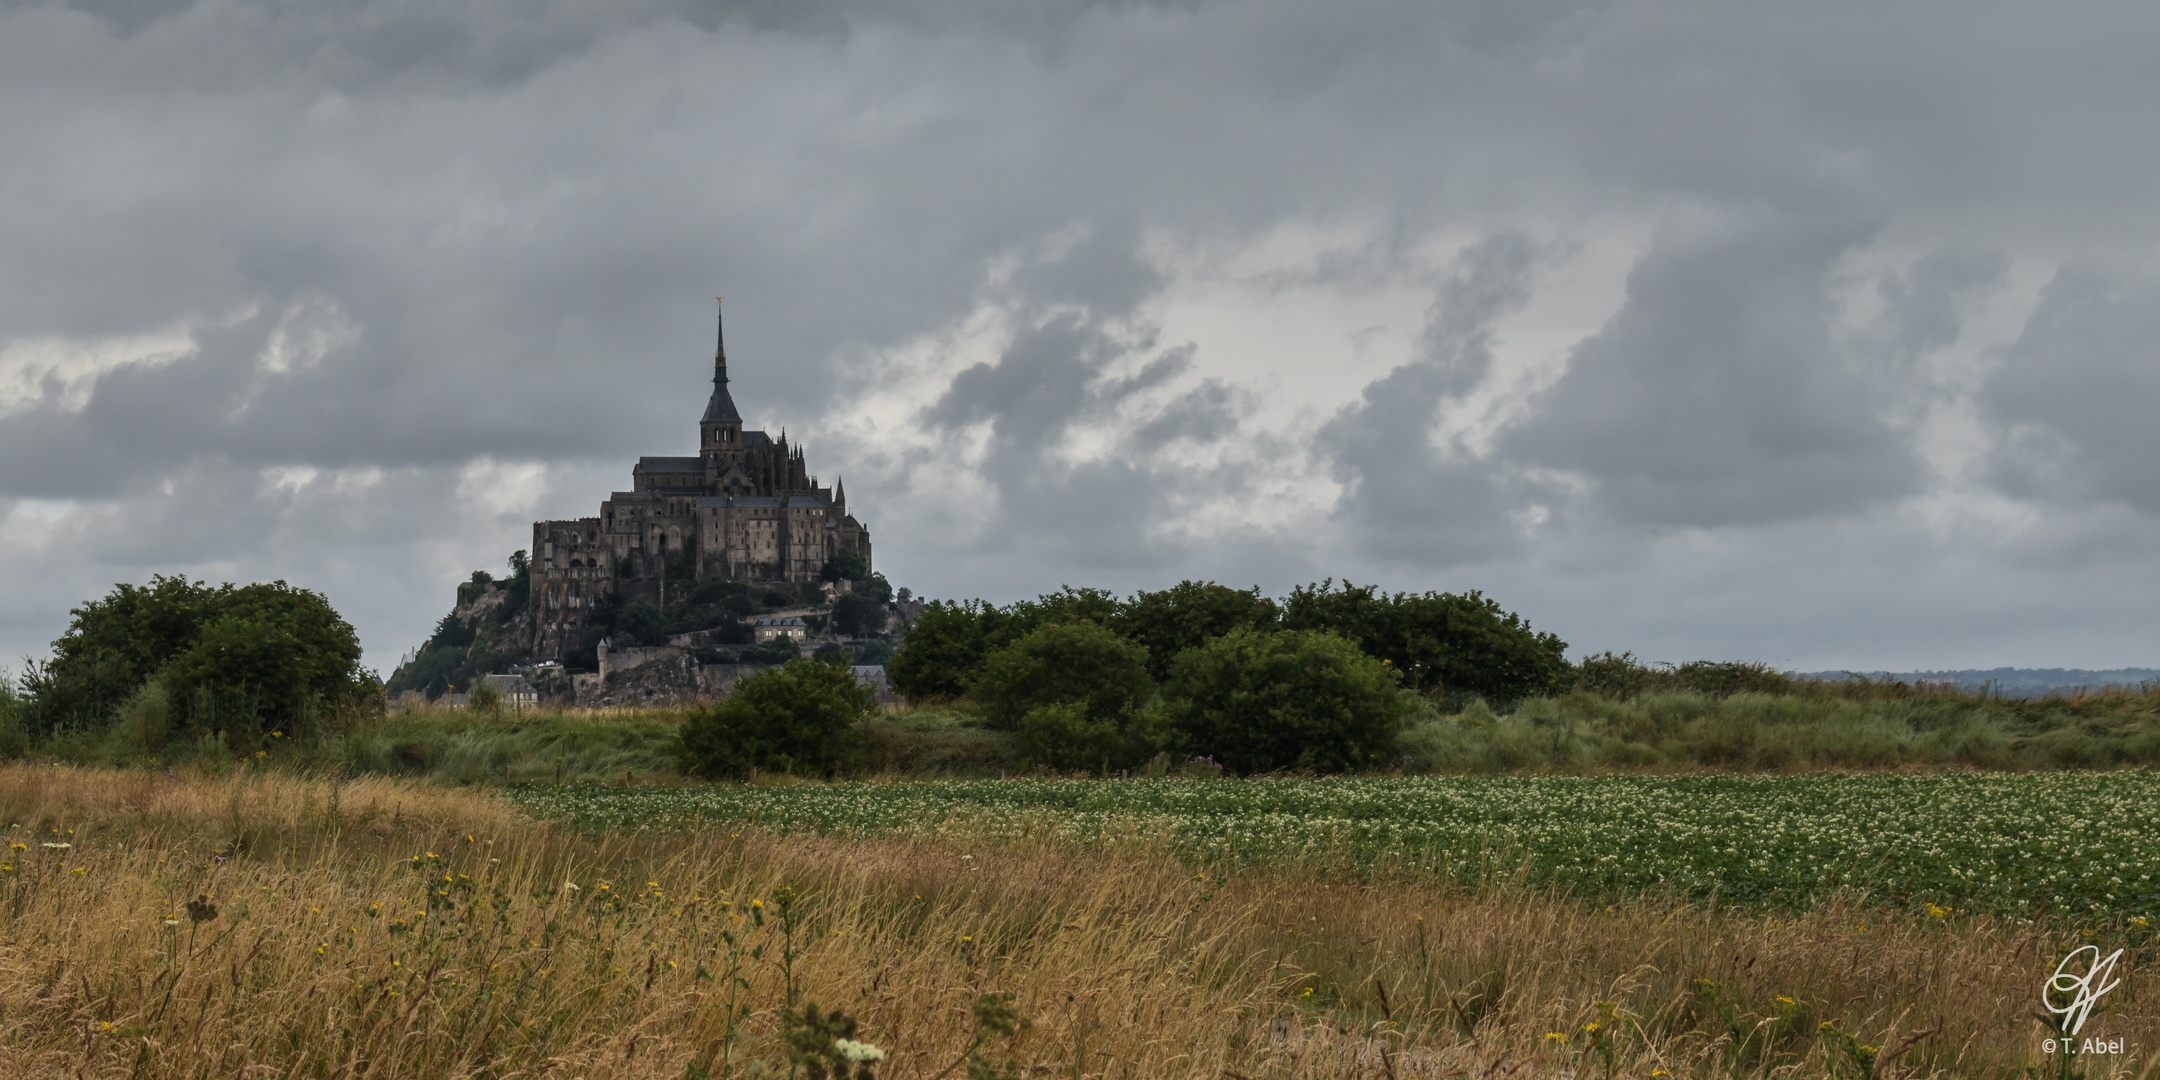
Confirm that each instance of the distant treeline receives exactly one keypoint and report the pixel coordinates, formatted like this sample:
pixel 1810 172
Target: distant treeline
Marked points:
pixel 1434 642
pixel 2009 682
pixel 1196 679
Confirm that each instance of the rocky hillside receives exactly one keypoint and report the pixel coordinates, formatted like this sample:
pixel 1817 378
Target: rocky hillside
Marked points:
pixel 489 630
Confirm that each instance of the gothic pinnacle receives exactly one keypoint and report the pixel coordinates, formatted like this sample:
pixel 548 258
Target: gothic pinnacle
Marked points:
pixel 719 356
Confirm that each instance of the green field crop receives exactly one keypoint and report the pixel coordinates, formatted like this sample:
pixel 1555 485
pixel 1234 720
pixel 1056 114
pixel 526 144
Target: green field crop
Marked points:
pixel 2079 846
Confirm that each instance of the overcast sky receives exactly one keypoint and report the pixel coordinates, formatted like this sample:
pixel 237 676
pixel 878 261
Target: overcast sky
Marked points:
pixel 1821 334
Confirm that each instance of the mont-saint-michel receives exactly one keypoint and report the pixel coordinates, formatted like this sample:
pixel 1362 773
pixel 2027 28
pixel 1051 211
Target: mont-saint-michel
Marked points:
pixel 1413 540
pixel 743 508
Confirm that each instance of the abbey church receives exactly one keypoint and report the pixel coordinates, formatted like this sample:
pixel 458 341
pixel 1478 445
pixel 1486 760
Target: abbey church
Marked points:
pixel 744 508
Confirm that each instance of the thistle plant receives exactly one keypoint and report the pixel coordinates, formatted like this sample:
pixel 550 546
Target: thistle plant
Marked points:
pixel 824 1047
pixel 994 1016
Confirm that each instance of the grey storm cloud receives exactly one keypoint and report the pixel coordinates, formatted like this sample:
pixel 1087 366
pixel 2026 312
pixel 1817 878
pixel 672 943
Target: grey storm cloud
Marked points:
pixel 1717 395
pixel 1085 355
pixel 1409 494
pixel 2075 397
pixel 351 293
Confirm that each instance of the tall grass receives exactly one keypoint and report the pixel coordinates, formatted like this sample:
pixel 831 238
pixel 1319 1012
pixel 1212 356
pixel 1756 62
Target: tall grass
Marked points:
pixel 379 928
pixel 467 747
pixel 1815 726
pixel 1795 726
pixel 558 746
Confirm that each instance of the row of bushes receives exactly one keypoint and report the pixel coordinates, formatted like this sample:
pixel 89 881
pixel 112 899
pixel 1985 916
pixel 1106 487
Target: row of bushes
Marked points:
pixel 1321 680
pixel 1812 726
pixel 1806 725
pixel 1077 696
pixel 1434 642
pixel 1069 693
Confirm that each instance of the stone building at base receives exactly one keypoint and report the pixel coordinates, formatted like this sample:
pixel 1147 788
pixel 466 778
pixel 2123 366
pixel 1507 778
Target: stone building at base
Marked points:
pixel 743 508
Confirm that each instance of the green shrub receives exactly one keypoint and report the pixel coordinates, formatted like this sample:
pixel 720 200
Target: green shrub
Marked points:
pixel 939 742
pixel 1059 663
pixel 1191 613
pixel 1067 605
pixel 484 699
pixel 14 740
pixel 1299 699
pixel 116 644
pixel 147 721
pixel 239 659
pixel 801 717
pixel 1616 675
pixel 949 640
pixel 1064 737
pixel 1438 641
pixel 942 649
pixel 1623 676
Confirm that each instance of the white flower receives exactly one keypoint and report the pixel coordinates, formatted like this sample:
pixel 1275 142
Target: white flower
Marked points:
pixel 570 886
pixel 59 845
pixel 857 1051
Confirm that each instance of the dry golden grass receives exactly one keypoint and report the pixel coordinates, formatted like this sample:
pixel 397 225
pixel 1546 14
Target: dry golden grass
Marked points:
pixel 325 956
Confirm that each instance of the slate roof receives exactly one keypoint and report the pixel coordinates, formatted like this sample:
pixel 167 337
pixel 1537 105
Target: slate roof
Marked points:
pixel 721 406
pixel 820 497
pixel 669 465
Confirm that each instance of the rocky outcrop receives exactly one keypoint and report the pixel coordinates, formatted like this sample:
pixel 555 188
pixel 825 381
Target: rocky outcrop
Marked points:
pixel 488 632
pixel 658 676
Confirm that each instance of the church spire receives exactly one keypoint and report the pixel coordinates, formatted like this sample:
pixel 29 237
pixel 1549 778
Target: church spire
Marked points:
pixel 721 409
pixel 719 356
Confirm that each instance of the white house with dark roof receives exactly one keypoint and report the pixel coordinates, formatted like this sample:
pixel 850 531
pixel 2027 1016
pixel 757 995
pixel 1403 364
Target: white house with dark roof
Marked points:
pixel 778 626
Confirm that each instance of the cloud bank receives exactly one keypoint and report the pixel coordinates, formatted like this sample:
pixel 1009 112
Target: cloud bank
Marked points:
pixel 1822 337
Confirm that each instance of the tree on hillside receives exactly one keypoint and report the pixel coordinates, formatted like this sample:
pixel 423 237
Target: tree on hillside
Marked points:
pixel 800 717
pixel 1188 614
pixel 1438 641
pixel 1296 699
pixel 856 615
pixel 599 626
pixel 874 588
pixel 845 566
pixel 641 623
